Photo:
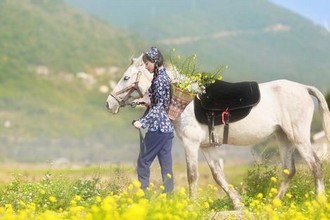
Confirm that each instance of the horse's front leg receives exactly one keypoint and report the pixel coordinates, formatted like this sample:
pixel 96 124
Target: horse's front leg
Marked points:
pixel 191 152
pixel 215 163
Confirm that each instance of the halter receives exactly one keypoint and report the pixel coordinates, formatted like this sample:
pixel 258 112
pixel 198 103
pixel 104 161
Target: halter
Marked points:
pixel 130 89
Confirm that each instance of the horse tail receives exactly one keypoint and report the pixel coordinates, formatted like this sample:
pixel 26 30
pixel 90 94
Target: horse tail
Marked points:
pixel 324 107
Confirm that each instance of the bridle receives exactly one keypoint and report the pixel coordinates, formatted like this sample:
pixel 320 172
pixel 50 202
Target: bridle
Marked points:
pixel 130 89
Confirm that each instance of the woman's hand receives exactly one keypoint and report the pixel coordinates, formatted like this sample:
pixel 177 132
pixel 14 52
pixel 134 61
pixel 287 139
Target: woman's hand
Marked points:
pixel 137 124
pixel 147 103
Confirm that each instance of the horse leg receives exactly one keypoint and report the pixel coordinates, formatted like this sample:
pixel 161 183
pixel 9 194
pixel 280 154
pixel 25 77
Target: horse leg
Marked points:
pixel 191 153
pixel 286 151
pixel 215 163
pixel 296 124
pixel 300 139
pixel 314 165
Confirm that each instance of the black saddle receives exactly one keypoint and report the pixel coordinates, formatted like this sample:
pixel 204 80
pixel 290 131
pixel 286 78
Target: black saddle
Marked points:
pixel 222 95
pixel 225 102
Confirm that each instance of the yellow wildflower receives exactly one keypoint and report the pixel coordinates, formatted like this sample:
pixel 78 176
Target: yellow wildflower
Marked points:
pixel 95 209
pixel 260 196
pixel 286 171
pixel 130 187
pixel 31 206
pixel 182 191
pixel 130 201
pixel 137 184
pixel 22 203
pixel 139 193
pixel 277 203
pixel 73 202
pixel 273 190
pixel 289 195
pixel 52 199
pixel 77 198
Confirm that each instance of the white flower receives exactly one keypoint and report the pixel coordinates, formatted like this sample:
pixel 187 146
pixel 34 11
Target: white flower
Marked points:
pixel 195 87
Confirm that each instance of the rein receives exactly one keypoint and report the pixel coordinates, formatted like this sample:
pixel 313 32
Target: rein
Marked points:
pixel 130 89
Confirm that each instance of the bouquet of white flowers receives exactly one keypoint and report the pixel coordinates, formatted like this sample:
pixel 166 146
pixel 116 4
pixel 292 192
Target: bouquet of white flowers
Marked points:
pixel 188 77
pixel 188 81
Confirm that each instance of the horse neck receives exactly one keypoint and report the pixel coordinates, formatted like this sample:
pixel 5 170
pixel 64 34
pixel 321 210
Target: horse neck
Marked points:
pixel 171 72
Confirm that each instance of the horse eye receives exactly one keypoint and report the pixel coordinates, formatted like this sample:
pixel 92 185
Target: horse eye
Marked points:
pixel 126 78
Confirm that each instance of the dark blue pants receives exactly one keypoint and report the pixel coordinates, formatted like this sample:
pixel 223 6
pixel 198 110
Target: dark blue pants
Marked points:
pixel 156 144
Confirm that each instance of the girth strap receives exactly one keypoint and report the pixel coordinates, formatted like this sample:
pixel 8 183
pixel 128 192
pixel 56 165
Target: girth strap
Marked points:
pixel 225 121
pixel 210 118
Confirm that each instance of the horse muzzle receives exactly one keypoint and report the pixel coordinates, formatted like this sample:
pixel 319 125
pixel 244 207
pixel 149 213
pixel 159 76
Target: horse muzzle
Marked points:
pixel 112 105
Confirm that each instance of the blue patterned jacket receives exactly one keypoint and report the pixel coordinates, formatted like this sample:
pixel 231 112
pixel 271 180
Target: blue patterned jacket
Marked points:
pixel 159 93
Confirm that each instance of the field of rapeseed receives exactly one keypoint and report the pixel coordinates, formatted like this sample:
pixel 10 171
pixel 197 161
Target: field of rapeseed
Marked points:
pixel 56 195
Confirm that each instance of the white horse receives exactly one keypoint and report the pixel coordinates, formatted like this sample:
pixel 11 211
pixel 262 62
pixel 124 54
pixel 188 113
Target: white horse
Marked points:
pixel 286 108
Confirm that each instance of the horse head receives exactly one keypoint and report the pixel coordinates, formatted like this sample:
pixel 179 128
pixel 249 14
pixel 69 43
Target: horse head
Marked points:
pixel 132 86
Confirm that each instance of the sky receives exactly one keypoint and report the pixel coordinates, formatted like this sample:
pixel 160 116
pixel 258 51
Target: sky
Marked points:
pixel 316 10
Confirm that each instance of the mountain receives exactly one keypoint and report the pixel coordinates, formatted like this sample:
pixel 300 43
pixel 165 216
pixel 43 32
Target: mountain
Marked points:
pixel 257 39
pixel 53 61
pixel 57 63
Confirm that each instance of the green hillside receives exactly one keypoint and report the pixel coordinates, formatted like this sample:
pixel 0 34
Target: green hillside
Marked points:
pixel 258 40
pixel 36 32
pixel 46 110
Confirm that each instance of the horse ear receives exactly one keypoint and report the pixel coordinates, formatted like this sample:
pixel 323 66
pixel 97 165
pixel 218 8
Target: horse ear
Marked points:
pixel 131 60
pixel 136 60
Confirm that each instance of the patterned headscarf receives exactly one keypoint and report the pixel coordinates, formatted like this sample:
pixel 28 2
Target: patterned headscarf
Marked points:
pixel 153 54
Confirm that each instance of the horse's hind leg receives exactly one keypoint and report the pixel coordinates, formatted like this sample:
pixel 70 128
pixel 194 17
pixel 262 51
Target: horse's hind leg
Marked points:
pixel 214 161
pixel 286 152
pixel 314 165
pixel 301 141
pixel 296 125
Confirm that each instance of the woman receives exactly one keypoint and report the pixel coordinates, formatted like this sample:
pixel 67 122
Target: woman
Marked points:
pixel 159 137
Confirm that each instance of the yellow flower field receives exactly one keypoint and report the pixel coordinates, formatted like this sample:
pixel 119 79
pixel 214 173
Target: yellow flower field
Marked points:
pixel 63 196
